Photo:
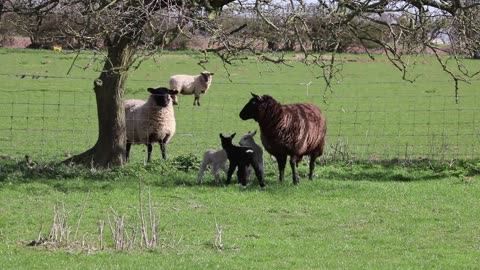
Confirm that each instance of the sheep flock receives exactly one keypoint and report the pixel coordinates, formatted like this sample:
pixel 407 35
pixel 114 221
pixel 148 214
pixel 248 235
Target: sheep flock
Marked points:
pixel 286 130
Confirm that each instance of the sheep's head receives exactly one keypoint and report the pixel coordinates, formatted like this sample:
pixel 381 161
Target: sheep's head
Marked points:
pixel 162 95
pixel 250 110
pixel 207 76
pixel 226 141
pixel 247 139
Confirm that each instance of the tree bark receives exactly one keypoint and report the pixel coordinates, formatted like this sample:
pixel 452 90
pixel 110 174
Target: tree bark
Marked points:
pixel 109 150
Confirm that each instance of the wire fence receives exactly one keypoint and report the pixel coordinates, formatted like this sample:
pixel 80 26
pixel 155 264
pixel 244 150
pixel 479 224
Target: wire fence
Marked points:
pixel 362 125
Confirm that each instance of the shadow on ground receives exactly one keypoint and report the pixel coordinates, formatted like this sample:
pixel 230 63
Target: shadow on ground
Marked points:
pixel 183 172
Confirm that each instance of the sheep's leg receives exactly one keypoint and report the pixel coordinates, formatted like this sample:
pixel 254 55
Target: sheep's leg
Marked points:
pixel 293 164
pixel 163 149
pixel 231 169
pixel 200 173
pixel 216 173
pixel 224 168
pixel 163 146
pixel 149 152
pixel 249 171
pixel 282 161
pixel 127 152
pixel 312 166
pixel 196 101
pixel 259 174
pixel 241 174
pixel 174 99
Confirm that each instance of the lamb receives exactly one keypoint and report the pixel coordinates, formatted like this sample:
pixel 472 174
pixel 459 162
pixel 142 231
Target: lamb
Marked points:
pixel 151 121
pixel 190 84
pixel 247 140
pixel 216 159
pixel 241 157
pixel 291 130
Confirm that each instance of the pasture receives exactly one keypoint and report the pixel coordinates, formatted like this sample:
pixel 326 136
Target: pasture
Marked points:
pixel 372 114
pixel 418 210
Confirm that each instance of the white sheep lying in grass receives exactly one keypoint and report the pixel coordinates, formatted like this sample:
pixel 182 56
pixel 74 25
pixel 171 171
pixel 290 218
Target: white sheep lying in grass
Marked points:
pixel 151 121
pixel 216 159
pixel 247 140
pixel 190 84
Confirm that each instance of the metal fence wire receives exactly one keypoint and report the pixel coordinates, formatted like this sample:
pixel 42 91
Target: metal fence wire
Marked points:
pixel 54 124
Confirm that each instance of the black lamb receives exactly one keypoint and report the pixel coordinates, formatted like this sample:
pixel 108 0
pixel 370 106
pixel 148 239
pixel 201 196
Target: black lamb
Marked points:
pixel 241 157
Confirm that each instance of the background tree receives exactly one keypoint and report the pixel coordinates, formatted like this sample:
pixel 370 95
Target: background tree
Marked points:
pixel 126 31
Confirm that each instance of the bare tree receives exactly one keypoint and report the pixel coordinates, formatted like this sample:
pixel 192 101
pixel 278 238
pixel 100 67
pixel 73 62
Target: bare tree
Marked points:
pixel 129 30
pixel 126 29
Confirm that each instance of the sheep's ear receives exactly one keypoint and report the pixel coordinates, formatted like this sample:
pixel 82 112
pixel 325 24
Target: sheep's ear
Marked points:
pixel 233 135
pixel 150 90
pixel 257 97
pixel 253 133
pixel 221 136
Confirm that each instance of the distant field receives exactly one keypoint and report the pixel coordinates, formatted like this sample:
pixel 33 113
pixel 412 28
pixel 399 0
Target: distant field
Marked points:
pixel 372 114
pixel 353 215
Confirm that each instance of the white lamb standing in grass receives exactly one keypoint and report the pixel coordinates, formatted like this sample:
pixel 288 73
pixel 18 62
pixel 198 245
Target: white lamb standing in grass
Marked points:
pixel 191 84
pixel 247 140
pixel 216 160
pixel 151 121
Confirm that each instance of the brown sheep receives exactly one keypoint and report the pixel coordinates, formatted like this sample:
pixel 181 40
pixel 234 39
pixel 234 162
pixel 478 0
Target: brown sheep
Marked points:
pixel 291 130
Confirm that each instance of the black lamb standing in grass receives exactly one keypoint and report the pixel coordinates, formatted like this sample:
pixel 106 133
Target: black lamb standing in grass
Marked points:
pixel 291 130
pixel 241 157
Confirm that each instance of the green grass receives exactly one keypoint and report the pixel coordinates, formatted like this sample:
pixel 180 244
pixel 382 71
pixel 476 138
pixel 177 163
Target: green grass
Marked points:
pixel 409 212
pixel 372 115
pixel 350 216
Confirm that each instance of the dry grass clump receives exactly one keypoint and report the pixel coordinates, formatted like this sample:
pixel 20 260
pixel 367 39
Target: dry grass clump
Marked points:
pixel 124 236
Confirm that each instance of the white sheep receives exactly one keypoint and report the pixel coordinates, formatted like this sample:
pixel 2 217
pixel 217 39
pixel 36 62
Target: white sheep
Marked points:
pixel 191 84
pixel 216 159
pixel 151 121
pixel 247 140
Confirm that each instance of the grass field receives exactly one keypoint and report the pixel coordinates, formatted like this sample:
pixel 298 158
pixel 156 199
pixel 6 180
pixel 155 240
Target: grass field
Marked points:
pixel 372 114
pixel 398 214
pixel 350 216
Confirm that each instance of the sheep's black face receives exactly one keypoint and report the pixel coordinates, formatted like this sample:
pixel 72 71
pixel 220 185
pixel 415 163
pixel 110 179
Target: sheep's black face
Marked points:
pixel 162 95
pixel 226 141
pixel 207 76
pixel 250 110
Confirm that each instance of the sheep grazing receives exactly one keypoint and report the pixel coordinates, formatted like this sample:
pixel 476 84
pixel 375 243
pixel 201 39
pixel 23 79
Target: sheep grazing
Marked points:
pixel 248 141
pixel 151 121
pixel 291 130
pixel 190 84
pixel 241 157
pixel 216 159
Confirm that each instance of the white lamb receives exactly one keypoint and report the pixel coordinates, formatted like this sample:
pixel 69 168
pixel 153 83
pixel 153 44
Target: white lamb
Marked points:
pixel 151 121
pixel 216 159
pixel 247 140
pixel 190 84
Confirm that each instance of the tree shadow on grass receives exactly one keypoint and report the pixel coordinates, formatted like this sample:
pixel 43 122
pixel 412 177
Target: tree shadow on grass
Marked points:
pixel 183 172
pixel 393 170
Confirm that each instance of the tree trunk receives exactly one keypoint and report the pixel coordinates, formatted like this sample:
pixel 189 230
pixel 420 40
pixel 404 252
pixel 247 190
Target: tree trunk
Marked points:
pixel 109 151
